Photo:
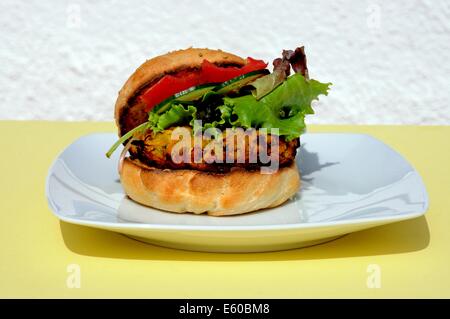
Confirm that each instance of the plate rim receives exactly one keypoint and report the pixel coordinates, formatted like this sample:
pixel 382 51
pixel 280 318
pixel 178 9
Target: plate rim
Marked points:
pixel 228 228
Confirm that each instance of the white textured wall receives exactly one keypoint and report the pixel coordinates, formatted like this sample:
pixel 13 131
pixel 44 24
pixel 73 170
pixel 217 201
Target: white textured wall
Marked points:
pixel 388 60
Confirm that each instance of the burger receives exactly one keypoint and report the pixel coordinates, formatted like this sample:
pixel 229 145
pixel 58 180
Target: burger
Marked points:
pixel 206 131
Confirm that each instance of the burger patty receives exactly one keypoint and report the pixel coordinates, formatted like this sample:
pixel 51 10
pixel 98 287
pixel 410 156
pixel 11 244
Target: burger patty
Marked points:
pixel 246 149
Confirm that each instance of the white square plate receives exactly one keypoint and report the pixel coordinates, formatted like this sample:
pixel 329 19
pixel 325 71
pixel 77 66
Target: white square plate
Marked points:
pixel 350 182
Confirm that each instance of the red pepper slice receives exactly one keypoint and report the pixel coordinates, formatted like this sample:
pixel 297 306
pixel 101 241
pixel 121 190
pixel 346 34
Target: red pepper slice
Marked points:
pixel 212 73
pixel 169 85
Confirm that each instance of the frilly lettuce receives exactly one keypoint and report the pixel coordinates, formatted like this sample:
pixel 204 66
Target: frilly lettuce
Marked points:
pixel 267 83
pixel 283 108
pixel 177 114
pixel 225 117
pixel 281 70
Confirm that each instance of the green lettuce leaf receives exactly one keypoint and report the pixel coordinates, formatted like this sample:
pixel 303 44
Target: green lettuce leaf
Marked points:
pixel 283 108
pixel 225 115
pixel 177 114
pixel 281 70
pixel 186 114
pixel 267 83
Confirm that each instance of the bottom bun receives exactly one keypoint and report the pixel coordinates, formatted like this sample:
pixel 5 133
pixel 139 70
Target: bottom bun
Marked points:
pixel 217 194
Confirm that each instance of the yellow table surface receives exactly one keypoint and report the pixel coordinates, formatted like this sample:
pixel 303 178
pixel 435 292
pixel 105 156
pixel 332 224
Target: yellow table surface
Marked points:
pixel 36 249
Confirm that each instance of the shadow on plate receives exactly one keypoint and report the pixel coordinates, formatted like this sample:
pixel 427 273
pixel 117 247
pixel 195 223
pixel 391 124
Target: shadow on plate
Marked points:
pixel 401 237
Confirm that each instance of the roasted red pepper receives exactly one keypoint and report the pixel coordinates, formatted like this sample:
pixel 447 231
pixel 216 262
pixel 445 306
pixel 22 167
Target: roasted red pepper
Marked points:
pixel 169 85
pixel 212 73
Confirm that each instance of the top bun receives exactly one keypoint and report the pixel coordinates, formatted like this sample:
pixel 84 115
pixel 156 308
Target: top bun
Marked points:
pixel 154 69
